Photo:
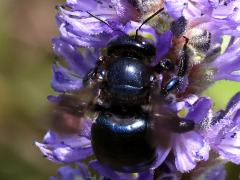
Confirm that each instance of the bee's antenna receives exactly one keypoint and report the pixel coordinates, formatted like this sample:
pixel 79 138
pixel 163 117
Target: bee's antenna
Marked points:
pixel 98 19
pixel 146 20
pixel 114 29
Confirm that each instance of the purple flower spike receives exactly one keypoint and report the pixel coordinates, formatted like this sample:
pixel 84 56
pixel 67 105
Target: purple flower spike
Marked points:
pixel 224 132
pixel 188 59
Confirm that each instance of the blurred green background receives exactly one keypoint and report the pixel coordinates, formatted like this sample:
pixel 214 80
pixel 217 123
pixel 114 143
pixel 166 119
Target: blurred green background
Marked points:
pixel 26 30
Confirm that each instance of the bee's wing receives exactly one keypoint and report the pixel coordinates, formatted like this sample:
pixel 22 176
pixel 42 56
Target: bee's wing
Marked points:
pixel 165 121
pixel 70 112
pixel 161 121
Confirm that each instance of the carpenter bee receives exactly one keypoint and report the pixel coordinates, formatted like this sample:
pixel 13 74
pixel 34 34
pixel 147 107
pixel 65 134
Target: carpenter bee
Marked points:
pixel 127 102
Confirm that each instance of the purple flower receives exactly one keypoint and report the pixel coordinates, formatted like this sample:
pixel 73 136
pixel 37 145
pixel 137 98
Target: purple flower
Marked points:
pixel 215 67
pixel 190 147
pixel 70 79
pixel 79 63
pixel 227 70
pixel 223 131
pixel 218 17
pixel 69 173
pixel 66 148
pixel 86 28
pixel 79 26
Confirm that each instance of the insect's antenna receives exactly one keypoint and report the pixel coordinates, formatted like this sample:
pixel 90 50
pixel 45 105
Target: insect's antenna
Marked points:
pixel 99 19
pixel 105 22
pixel 148 19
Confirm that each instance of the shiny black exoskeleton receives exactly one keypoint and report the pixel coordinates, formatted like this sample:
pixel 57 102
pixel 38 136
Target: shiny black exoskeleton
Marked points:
pixel 126 85
pixel 121 134
pixel 128 75
pixel 123 142
pixel 128 79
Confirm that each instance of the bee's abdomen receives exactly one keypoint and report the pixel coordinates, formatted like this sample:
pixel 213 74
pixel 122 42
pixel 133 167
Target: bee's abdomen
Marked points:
pixel 123 143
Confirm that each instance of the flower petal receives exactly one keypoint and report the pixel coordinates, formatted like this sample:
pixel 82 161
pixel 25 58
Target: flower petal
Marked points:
pixel 189 148
pixel 81 25
pixel 76 62
pixel 224 133
pixel 229 145
pixel 91 5
pixel 162 154
pixel 68 173
pixel 67 148
pixel 175 7
pixel 64 80
pixel 164 43
pixel 186 103
pixel 67 154
pixel 199 110
pixel 219 18
pixel 126 10
pixel 50 138
pixel 47 153
pixel 233 104
pixel 229 69
pixel 227 118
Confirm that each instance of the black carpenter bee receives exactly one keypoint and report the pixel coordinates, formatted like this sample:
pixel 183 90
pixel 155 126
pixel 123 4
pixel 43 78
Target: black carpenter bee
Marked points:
pixel 125 92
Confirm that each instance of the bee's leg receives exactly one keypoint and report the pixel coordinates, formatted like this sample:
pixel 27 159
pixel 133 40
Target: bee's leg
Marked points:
pixel 95 75
pixel 176 81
